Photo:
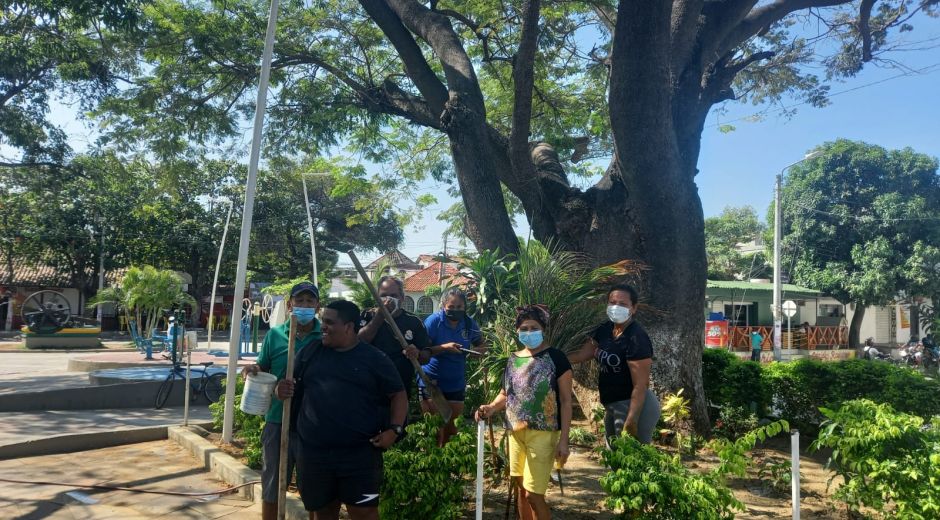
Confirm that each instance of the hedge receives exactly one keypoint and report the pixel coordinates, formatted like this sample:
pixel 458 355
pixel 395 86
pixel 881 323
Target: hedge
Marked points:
pixel 796 390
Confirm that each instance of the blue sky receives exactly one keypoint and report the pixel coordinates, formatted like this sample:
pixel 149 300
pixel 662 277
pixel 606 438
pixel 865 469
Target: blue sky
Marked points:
pixel 738 168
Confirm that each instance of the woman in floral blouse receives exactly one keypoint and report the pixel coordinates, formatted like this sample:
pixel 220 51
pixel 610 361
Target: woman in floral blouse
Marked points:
pixel 536 395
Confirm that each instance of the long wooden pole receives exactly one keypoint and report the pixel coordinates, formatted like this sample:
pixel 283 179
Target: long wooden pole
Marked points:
pixel 285 428
pixel 440 402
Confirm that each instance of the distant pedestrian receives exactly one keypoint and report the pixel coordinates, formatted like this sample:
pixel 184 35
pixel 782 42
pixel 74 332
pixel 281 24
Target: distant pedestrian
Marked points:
pixel 756 340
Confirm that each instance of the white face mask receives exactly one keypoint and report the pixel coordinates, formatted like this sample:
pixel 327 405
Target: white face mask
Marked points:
pixel 618 313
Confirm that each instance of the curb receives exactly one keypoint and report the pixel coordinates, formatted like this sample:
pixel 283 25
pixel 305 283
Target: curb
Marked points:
pixel 82 442
pixel 226 468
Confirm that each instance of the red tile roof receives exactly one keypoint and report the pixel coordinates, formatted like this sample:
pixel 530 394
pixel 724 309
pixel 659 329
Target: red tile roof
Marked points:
pixel 430 275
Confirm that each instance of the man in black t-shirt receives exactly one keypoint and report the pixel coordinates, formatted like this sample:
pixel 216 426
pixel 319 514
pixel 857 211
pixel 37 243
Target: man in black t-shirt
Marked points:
pixel 375 331
pixel 342 392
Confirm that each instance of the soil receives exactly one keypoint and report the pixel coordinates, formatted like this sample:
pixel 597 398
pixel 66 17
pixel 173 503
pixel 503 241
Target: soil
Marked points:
pixel 583 497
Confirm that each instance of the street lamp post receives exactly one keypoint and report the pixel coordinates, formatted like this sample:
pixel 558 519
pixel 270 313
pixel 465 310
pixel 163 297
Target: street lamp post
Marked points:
pixel 313 246
pixel 778 282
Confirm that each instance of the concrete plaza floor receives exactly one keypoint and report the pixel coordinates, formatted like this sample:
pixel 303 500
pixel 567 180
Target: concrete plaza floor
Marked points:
pixel 159 465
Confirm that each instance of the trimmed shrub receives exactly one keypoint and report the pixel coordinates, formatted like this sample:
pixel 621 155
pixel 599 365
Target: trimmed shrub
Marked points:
pixel 731 381
pixel 795 391
pixel 247 427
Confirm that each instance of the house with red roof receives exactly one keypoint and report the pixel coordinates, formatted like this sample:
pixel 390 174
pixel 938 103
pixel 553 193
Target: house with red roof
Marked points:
pixel 433 276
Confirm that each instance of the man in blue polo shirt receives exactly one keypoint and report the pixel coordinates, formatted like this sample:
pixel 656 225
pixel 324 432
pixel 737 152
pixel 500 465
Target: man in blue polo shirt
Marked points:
pixel 304 302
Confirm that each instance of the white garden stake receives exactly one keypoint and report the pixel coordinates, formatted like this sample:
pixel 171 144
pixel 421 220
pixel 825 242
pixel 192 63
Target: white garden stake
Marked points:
pixel 481 427
pixel 795 472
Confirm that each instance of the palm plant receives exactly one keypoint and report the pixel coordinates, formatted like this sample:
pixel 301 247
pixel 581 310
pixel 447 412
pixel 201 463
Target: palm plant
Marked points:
pixel 145 292
pixel 564 281
pixel 361 295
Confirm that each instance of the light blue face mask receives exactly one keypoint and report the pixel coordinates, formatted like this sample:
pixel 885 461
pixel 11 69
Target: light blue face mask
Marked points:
pixel 531 338
pixel 304 315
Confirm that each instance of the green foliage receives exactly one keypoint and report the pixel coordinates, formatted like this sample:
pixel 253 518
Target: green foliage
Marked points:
pixel 722 234
pixel 798 389
pixel 732 454
pixel 423 480
pixel 777 474
pixel 676 413
pixel 581 437
pixel 731 381
pixel 734 421
pixel 644 482
pixel 889 461
pixel 853 217
pixel 47 47
pixel 247 428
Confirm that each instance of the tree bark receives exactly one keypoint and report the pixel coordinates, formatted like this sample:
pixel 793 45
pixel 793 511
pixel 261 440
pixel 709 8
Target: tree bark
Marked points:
pixel 855 327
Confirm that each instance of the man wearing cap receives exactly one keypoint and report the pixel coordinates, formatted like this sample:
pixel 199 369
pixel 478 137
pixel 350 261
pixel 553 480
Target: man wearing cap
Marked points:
pixel 304 303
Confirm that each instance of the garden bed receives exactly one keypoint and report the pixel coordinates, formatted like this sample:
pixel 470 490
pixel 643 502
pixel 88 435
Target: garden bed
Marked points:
pixel 583 496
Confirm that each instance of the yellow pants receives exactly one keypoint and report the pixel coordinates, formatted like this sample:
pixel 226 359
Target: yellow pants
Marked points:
pixel 532 456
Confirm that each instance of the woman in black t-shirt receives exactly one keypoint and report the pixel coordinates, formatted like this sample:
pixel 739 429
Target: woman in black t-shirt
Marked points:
pixel 624 354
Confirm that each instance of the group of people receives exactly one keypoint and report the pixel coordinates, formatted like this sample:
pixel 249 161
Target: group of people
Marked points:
pixel 353 380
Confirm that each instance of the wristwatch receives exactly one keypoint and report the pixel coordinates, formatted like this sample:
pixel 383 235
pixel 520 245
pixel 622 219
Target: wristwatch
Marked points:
pixel 397 429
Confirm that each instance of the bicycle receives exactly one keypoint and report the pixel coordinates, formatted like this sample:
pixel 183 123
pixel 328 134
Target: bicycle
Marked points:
pixel 210 386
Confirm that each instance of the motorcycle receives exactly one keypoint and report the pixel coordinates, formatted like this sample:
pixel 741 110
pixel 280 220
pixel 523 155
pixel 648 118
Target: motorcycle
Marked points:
pixel 931 358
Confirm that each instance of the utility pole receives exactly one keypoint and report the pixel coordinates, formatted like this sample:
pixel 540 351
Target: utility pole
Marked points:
pixel 101 273
pixel 440 278
pixel 778 232
pixel 313 247
pixel 778 283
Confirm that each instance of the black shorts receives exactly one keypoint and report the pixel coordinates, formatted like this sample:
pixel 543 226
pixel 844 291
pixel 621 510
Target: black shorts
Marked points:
pixel 351 475
pixel 455 397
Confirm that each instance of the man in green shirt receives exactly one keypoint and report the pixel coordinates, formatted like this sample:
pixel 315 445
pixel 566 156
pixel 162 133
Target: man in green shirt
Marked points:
pixel 304 303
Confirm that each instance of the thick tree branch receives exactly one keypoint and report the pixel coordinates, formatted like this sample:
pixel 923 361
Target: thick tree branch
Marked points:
pixel 686 16
pixel 864 28
pixel 763 17
pixel 525 184
pixel 434 28
pixel 410 53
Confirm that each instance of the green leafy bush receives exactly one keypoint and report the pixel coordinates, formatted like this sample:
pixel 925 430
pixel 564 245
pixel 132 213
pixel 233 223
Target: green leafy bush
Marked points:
pixel 889 461
pixel 647 483
pixel 795 391
pixel 423 480
pixel 247 427
pixel 581 437
pixel 733 422
pixel 777 474
pixel 731 381
pixel 644 482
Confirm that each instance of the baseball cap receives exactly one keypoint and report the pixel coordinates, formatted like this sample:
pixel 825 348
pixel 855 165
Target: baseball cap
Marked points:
pixel 305 286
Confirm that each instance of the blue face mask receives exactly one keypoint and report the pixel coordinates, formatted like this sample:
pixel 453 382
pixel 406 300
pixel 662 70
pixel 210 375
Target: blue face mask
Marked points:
pixel 304 314
pixel 531 338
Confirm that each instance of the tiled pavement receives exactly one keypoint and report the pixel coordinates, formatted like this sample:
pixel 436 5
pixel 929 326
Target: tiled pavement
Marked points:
pixel 160 465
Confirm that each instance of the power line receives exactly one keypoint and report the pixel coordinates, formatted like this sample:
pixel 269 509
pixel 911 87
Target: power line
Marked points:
pixel 924 70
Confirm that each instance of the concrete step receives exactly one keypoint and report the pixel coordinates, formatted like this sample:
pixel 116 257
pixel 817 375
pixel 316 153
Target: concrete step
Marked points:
pixel 42 432
pixel 135 394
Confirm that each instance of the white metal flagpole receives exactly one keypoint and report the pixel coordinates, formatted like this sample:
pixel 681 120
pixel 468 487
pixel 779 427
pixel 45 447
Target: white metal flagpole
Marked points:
pixel 228 418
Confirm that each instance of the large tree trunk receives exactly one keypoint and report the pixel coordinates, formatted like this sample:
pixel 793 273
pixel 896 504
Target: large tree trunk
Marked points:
pixel 665 207
pixel 855 327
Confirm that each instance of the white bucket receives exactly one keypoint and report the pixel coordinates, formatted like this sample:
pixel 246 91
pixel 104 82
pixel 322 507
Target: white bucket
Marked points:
pixel 256 398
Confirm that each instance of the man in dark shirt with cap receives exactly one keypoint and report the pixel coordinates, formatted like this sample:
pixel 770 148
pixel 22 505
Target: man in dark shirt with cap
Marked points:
pixel 304 302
